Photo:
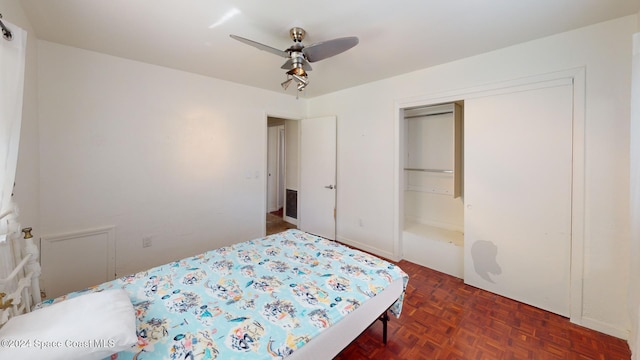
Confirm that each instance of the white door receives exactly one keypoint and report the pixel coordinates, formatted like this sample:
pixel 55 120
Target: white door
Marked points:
pixel 317 195
pixel 518 175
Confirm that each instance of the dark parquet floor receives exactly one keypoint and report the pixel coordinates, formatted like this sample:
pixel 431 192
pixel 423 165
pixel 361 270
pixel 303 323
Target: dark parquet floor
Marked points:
pixel 443 318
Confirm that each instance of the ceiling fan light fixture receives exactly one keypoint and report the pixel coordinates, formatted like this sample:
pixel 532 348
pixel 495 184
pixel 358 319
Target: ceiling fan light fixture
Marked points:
pixel 297 71
pixel 285 84
pixel 302 81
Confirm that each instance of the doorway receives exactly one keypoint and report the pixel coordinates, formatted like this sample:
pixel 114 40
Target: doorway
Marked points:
pixel 281 174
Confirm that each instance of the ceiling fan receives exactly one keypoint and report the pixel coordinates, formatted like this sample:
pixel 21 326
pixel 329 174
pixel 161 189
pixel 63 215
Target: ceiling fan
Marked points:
pixel 299 56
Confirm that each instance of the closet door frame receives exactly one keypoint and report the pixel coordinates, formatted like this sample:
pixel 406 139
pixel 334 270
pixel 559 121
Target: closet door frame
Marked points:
pixel 578 77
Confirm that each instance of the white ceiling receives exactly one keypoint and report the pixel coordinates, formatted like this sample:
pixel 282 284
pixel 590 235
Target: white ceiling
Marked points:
pixel 395 36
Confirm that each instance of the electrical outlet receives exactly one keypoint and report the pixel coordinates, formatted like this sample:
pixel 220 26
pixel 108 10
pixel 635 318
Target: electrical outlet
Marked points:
pixel 147 242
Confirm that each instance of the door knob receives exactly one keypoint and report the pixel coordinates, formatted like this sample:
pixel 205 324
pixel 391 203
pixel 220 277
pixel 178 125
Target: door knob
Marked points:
pixel 329 187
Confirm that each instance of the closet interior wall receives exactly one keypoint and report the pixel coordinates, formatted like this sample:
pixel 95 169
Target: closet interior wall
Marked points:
pixel 432 198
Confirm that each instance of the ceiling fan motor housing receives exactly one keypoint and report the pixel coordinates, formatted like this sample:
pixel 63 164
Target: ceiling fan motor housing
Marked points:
pixel 297 34
pixel 297 64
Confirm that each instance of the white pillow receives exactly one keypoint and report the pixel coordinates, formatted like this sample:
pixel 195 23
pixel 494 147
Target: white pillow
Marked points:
pixel 90 326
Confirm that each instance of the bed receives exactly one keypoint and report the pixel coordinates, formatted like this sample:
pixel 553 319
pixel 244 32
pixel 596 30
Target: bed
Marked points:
pixel 291 294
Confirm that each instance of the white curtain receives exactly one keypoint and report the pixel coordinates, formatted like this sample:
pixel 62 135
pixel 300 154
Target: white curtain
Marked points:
pixel 12 63
pixel 634 278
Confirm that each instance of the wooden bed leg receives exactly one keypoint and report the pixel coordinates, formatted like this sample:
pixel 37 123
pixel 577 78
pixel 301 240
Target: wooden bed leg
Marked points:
pixel 385 319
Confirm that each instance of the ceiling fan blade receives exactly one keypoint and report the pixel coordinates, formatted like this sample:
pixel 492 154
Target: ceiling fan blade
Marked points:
pixel 326 49
pixel 305 65
pixel 261 46
pixel 287 65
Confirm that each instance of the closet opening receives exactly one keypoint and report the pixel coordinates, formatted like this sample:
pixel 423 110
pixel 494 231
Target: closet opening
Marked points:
pixel 432 181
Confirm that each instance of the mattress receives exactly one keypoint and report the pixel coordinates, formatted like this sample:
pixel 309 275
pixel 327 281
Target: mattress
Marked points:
pixel 290 294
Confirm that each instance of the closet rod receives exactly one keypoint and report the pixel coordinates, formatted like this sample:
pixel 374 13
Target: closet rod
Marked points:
pixel 431 114
pixel 6 33
pixel 431 170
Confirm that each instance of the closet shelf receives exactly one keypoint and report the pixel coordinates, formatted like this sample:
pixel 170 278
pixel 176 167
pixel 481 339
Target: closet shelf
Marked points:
pixel 430 170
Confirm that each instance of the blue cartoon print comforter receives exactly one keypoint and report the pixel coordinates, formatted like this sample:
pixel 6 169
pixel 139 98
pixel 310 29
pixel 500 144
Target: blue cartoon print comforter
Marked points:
pixel 259 299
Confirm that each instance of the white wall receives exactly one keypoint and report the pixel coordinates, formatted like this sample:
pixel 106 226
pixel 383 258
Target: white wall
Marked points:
pixel 634 268
pixel 366 149
pixel 154 151
pixel 27 173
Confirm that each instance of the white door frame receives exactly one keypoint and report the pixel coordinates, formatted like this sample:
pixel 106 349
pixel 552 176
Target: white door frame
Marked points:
pixel 272 168
pixel 578 77
pixel 282 169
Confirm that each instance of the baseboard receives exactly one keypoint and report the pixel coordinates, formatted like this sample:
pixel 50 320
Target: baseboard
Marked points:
pixel 602 327
pixel 635 347
pixel 367 248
